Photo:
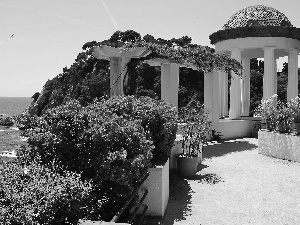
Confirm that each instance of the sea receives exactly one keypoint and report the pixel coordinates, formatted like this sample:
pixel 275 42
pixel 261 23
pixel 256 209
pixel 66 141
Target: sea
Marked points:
pixel 11 106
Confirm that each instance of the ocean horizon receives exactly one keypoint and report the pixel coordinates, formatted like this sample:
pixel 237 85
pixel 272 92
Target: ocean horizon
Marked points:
pixel 11 106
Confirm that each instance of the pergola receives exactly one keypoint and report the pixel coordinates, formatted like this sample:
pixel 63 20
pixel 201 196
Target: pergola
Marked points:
pixel 256 32
pixel 170 59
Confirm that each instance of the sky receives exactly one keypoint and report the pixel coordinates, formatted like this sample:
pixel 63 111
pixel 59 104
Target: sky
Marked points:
pixel 38 38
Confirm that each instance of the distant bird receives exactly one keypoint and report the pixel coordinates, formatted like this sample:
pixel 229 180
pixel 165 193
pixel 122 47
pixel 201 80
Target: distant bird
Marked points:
pixel 12 36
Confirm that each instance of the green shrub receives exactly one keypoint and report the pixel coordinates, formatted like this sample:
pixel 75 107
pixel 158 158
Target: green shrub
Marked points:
pixel 6 121
pixel 37 195
pixel 157 117
pixel 111 151
pixel 24 121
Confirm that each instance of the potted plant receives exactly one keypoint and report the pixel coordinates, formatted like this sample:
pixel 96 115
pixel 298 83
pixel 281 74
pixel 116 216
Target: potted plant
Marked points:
pixel 283 117
pixel 267 110
pixel 195 128
pixel 294 106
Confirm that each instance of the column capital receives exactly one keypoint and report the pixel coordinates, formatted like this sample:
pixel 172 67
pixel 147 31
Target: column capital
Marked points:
pixel 270 47
pixel 294 50
pixel 236 54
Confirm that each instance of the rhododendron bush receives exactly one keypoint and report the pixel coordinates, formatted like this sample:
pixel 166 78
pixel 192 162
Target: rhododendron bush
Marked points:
pixel 110 143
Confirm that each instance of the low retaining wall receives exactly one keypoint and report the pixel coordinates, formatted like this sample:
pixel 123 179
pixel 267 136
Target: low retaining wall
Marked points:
pixel 234 128
pixel 158 186
pixel 283 146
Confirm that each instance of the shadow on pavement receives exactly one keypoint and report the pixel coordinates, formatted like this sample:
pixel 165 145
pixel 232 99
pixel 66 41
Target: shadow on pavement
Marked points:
pixel 179 206
pixel 225 147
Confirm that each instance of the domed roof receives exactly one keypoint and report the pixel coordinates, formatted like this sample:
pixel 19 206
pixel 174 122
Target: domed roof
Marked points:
pixel 258 15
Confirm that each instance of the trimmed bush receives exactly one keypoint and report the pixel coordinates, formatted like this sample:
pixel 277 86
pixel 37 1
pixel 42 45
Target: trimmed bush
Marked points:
pixel 37 195
pixel 157 117
pixel 111 151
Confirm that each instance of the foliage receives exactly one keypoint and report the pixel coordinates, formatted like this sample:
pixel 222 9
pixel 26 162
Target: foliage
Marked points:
pixel 35 96
pixel 142 79
pixel 157 117
pixel 274 111
pixel 37 195
pixel 145 80
pixel 6 121
pixel 215 135
pixel 294 106
pixel 199 57
pixel 254 31
pixel 191 86
pixel 283 112
pixel 196 127
pixel 24 121
pixel 111 150
pixel 256 90
pixel 88 77
pixel 268 111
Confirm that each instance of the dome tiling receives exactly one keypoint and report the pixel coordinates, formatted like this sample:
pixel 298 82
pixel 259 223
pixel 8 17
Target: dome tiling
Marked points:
pixel 258 15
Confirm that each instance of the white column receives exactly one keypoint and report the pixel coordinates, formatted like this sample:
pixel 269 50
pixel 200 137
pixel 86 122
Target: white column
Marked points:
pixel 275 78
pixel 124 63
pixel 165 82
pixel 208 93
pixel 211 96
pixel 292 89
pixel 115 76
pixel 223 94
pixel 235 90
pixel 246 86
pixel 174 84
pixel 269 73
pixel 215 109
pixel 170 83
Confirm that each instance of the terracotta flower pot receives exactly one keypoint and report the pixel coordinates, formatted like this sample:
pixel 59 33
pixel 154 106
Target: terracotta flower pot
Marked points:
pixel 187 166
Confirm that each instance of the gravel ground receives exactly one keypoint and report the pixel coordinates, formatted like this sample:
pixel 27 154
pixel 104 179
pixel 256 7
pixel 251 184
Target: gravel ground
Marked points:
pixel 236 185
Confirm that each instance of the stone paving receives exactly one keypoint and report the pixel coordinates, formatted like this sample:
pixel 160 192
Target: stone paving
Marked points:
pixel 235 185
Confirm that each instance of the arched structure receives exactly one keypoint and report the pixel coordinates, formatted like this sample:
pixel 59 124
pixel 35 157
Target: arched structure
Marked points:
pixel 256 32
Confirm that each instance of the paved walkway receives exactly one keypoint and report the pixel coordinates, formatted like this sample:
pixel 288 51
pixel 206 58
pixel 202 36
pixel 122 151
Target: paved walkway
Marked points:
pixel 236 185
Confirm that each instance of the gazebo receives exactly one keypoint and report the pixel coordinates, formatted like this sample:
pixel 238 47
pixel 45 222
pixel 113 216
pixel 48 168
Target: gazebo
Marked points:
pixel 255 32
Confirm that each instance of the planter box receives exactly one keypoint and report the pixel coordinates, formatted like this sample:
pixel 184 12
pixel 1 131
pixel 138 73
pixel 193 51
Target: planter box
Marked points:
pixel 158 186
pixel 283 146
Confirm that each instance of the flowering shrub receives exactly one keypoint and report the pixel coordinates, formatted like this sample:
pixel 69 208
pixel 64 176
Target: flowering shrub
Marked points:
pixel 294 106
pixel 273 111
pixel 110 150
pixel 268 111
pixel 157 117
pixel 37 195
pixel 24 120
pixel 196 126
